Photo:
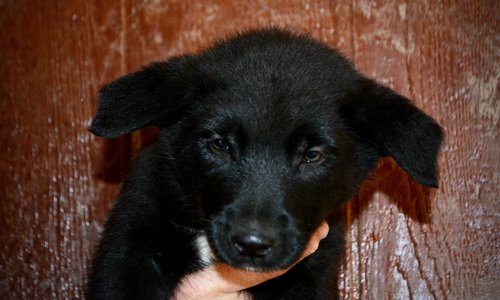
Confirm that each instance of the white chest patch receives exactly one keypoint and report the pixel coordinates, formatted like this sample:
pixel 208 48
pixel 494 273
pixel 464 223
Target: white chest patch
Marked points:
pixel 204 251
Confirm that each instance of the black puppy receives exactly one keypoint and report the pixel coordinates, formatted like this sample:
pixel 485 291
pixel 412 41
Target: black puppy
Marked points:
pixel 262 137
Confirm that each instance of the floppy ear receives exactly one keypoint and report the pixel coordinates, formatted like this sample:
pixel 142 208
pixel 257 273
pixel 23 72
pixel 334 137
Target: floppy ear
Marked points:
pixel 156 95
pixel 391 124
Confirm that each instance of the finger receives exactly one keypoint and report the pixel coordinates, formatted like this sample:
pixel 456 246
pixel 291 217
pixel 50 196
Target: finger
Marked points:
pixel 318 235
pixel 323 229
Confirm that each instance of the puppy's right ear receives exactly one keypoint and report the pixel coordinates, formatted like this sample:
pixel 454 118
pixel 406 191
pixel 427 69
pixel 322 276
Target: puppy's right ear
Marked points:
pixel 389 123
pixel 158 95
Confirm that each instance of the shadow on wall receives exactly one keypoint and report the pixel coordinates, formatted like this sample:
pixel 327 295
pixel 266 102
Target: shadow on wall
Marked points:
pixel 389 179
pixel 118 154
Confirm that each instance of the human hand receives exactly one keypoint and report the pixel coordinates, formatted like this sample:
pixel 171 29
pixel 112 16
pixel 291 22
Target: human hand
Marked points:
pixel 221 281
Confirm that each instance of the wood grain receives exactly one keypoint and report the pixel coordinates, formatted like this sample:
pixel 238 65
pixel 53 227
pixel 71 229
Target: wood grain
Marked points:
pixel 404 242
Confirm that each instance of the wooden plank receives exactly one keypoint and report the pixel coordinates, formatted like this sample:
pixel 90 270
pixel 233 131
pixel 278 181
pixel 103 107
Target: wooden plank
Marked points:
pixel 411 243
pixel 54 204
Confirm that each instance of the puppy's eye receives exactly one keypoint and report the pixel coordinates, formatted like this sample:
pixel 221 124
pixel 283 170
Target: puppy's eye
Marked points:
pixel 219 145
pixel 312 156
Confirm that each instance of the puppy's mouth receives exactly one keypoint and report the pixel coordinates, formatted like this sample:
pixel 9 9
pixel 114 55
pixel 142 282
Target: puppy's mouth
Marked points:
pixel 251 248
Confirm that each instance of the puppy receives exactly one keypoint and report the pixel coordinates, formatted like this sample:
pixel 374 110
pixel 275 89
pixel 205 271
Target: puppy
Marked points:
pixel 263 136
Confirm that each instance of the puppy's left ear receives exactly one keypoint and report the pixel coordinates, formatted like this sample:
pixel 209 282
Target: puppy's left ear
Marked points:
pixel 159 95
pixel 391 124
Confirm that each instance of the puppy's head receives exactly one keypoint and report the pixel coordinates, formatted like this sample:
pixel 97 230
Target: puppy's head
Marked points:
pixel 268 133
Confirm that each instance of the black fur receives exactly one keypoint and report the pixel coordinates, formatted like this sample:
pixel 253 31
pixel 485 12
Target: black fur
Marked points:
pixel 262 137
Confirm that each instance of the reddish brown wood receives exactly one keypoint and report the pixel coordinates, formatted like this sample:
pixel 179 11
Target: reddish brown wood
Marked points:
pixel 58 182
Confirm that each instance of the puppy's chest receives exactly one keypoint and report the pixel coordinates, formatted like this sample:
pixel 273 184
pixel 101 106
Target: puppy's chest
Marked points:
pixel 203 250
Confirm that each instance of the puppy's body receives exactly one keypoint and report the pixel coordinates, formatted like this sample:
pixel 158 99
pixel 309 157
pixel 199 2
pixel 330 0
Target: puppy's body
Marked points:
pixel 263 136
pixel 150 243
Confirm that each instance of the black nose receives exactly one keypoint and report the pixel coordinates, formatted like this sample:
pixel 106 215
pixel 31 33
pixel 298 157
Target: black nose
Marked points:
pixel 252 244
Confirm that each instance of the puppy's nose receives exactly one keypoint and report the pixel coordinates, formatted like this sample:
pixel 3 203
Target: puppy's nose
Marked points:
pixel 253 244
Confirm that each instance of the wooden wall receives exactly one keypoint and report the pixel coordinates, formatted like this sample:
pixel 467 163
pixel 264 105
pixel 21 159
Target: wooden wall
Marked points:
pixel 404 242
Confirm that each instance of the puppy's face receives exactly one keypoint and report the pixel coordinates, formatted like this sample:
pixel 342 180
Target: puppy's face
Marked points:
pixel 267 170
pixel 267 133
